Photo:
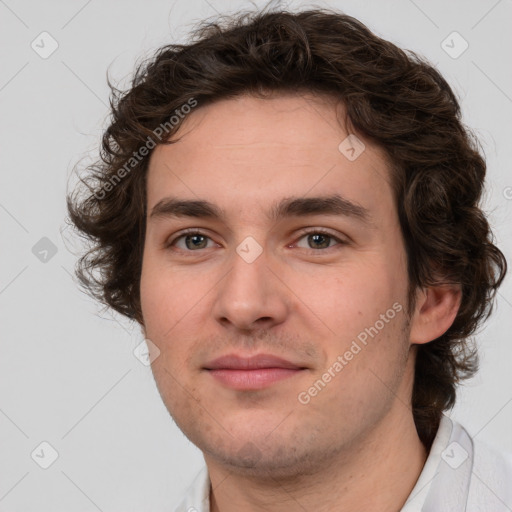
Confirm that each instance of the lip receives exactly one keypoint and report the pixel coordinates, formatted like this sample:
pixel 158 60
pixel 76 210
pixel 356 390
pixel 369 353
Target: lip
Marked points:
pixel 256 362
pixel 251 373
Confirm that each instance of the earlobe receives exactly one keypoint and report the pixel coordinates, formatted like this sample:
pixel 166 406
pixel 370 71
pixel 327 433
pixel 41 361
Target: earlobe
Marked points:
pixel 436 309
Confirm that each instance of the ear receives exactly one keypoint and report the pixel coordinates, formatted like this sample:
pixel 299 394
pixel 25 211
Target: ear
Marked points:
pixel 435 311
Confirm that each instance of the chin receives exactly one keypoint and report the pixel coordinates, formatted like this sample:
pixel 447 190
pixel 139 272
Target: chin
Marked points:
pixel 280 458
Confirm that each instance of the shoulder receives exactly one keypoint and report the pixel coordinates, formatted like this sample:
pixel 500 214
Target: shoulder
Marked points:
pixel 491 479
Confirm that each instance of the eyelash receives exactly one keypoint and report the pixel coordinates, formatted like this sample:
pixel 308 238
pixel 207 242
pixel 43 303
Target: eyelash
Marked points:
pixel 317 231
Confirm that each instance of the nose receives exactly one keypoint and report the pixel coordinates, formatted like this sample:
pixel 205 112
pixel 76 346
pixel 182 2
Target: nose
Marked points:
pixel 250 296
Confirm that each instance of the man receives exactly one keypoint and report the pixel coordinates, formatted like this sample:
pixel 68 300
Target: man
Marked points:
pixel 289 207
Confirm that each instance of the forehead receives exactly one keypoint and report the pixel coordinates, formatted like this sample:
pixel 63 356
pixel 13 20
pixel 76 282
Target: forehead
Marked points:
pixel 248 151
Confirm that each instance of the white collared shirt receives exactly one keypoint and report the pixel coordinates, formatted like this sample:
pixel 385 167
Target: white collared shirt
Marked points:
pixel 459 475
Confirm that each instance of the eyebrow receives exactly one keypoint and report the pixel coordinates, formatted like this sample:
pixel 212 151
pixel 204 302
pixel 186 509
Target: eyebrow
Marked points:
pixel 288 207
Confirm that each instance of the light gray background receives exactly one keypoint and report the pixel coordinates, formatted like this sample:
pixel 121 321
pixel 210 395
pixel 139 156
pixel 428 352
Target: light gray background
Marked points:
pixel 67 372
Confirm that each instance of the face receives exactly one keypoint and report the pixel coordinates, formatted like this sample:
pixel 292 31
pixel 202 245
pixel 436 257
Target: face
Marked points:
pixel 279 307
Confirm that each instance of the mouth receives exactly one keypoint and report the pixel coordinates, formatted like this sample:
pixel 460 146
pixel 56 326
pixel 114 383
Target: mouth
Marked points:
pixel 251 373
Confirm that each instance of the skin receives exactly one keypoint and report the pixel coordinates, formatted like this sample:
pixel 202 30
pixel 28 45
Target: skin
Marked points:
pixel 354 446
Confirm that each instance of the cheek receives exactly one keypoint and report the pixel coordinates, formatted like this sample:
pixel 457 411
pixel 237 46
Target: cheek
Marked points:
pixel 360 380
pixel 171 308
pixel 350 298
pixel 364 310
pixel 166 298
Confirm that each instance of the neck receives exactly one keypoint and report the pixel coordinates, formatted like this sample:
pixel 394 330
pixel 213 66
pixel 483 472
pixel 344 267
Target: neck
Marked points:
pixel 377 473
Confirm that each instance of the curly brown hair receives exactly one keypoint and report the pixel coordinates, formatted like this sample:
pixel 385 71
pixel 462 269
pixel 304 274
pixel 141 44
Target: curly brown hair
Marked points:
pixel 393 97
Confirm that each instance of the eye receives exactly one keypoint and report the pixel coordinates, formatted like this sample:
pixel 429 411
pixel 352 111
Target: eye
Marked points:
pixel 192 240
pixel 320 239
pixel 316 239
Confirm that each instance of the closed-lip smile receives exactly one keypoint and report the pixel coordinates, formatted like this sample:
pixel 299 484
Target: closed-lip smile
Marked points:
pixel 253 372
